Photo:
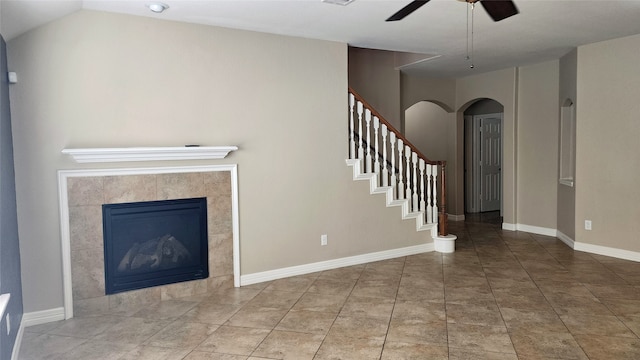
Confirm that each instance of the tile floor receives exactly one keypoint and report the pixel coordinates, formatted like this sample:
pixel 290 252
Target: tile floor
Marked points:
pixel 501 295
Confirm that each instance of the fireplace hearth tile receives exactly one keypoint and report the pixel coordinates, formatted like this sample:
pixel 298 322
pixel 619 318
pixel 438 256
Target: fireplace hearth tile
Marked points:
pixel 131 188
pixel 85 227
pixel 85 191
pixel 222 245
pixel 183 289
pixel 88 273
pixel 180 186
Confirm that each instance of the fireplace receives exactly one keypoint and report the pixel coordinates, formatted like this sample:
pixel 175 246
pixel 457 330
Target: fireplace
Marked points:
pixel 154 243
pixel 84 192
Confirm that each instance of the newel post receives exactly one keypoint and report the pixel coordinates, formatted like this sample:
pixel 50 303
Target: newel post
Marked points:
pixel 442 216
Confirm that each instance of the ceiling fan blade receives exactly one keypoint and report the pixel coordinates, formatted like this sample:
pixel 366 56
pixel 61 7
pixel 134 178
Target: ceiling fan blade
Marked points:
pixel 413 6
pixel 499 9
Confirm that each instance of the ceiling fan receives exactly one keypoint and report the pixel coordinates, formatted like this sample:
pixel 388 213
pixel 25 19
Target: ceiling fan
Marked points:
pixel 497 9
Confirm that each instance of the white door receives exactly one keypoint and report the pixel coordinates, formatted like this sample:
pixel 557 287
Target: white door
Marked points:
pixel 490 162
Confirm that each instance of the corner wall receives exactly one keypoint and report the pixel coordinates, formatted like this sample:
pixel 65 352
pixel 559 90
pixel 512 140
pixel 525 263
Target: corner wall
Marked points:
pixel 607 146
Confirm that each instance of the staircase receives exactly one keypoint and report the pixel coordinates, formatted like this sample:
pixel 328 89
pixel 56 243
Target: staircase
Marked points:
pixel 394 167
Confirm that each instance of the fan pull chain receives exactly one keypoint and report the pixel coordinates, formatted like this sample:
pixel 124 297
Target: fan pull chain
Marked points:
pixel 468 5
pixel 472 8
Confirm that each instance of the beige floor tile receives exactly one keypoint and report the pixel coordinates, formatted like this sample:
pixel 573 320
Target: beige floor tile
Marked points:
pixel 257 317
pixel 133 330
pixel 182 334
pixel 479 313
pixel 360 306
pixel 481 337
pixel 361 327
pixel 46 346
pixel 412 351
pixel 604 325
pixel 547 345
pixel 320 302
pixel 311 322
pixel 203 355
pixel 211 313
pixel 233 340
pixel 166 310
pixel 607 347
pixel 94 349
pixel 332 286
pixel 289 345
pixel 532 320
pixel 471 354
pixel 155 353
pixel 417 332
pixel 86 327
pixel 340 347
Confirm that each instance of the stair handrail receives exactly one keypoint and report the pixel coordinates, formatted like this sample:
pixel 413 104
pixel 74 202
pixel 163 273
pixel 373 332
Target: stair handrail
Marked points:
pixel 442 213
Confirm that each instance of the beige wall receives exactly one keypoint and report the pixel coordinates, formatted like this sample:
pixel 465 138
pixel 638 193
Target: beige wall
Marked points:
pixel 420 90
pixel 105 80
pixel 373 75
pixel 607 161
pixel 426 126
pixel 538 112
pixel 567 194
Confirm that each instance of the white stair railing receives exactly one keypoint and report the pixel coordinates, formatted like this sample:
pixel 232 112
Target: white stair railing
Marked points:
pixel 397 165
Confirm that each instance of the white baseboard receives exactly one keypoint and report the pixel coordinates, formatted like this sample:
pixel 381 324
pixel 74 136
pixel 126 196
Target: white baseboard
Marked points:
pixel 507 226
pixel 607 251
pixel 530 229
pixel 333 264
pixel 565 239
pixel 43 317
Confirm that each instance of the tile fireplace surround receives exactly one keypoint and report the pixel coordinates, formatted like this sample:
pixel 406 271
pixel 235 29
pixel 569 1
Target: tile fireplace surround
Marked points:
pixel 82 194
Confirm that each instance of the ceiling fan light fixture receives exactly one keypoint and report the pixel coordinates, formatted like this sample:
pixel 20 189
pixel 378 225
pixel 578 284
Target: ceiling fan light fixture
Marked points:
pixel 157 7
pixel 338 2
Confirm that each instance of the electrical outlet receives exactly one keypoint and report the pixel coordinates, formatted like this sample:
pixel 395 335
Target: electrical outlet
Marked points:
pixel 587 224
pixel 323 239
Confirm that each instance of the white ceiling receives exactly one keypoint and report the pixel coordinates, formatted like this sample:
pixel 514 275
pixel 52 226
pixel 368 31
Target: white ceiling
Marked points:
pixel 544 29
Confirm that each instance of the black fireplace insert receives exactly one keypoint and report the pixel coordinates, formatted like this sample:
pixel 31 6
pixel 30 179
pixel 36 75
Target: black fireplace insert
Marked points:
pixel 154 243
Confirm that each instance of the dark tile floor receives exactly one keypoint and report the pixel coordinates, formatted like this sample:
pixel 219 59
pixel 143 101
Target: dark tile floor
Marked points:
pixel 501 295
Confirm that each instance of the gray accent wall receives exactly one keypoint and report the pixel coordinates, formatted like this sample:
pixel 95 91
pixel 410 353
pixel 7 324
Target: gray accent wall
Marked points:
pixel 10 279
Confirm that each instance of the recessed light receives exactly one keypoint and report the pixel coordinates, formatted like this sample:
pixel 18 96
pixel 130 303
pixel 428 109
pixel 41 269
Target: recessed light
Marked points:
pixel 157 7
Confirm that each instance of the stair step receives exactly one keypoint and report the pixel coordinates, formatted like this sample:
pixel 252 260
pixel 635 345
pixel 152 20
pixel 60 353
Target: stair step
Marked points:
pixel 373 178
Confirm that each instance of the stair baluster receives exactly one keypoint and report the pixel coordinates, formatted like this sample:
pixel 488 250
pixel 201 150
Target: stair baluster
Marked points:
pixel 407 190
pixel 367 118
pixel 385 170
pixel 423 205
pixel 392 144
pixel 360 147
pixel 400 172
pixel 352 135
pixel 376 127
pixel 414 183
pixel 434 186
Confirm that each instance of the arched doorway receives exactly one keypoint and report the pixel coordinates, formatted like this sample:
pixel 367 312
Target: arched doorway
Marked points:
pixel 483 158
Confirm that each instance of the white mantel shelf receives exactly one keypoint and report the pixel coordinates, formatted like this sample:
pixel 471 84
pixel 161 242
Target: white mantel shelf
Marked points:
pixel 101 155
